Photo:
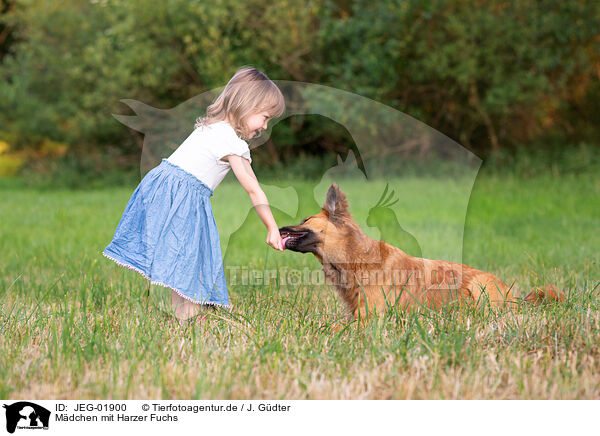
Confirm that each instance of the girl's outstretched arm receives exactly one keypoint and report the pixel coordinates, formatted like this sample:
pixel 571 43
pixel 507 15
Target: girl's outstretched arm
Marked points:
pixel 243 171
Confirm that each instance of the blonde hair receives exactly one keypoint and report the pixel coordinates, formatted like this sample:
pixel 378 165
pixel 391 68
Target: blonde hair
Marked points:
pixel 248 92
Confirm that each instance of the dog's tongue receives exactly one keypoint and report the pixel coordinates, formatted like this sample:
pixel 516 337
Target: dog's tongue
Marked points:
pixel 283 242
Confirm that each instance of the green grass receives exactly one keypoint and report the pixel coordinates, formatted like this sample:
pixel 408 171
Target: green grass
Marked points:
pixel 76 325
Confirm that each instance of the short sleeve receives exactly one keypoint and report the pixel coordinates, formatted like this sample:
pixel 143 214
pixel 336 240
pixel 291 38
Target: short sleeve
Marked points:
pixel 231 144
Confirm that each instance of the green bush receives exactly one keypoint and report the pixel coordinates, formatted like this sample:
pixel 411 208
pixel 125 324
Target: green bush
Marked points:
pixel 77 172
pixel 490 74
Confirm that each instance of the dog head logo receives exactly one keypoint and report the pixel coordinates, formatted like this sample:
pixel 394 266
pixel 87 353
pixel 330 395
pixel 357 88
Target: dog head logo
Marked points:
pixel 26 415
pixel 390 148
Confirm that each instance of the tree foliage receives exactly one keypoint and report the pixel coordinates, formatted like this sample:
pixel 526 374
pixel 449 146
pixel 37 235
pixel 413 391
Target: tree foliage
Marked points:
pixel 490 74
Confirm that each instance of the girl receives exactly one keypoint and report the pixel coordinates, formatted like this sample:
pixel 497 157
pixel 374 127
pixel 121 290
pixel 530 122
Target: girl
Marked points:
pixel 168 232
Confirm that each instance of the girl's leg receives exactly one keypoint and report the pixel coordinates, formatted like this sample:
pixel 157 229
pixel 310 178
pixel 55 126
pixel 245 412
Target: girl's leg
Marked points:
pixel 184 309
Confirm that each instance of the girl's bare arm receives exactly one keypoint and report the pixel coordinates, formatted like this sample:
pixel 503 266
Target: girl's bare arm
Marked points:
pixel 243 171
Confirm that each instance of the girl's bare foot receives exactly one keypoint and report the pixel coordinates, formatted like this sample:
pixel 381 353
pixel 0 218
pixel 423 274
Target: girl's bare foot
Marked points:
pixel 187 312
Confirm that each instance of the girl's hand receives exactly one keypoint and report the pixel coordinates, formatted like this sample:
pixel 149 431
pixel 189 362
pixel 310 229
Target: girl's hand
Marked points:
pixel 274 239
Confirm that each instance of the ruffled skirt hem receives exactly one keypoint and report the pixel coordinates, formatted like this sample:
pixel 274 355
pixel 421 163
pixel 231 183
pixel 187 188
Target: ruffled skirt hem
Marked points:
pixel 155 282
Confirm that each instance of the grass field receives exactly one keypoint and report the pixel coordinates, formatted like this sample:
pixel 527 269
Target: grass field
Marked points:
pixel 77 326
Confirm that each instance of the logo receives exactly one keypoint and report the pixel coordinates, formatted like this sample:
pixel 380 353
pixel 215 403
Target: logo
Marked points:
pixel 26 415
pixel 389 148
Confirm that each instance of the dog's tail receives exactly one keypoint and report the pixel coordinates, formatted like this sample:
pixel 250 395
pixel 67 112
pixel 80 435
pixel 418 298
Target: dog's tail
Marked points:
pixel 545 294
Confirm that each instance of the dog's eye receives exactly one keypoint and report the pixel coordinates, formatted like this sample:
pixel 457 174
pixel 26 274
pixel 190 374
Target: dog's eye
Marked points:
pixel 305 219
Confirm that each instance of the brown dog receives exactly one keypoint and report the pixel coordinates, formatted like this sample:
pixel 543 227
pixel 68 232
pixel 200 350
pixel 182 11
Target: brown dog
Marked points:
pixel 372 275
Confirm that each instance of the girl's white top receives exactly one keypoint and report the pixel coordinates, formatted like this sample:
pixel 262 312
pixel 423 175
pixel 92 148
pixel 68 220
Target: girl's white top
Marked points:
pixel 200 154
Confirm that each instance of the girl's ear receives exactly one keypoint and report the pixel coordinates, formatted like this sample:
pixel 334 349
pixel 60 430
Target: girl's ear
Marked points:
pixel 336 206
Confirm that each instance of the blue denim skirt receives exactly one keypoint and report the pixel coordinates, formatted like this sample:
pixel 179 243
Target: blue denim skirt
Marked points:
pixel 168 234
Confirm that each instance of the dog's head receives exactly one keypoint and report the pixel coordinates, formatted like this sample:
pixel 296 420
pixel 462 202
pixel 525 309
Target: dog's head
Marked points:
pixel 328 234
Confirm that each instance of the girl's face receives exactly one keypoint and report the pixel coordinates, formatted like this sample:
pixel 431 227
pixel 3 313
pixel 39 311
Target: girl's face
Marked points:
pixel 257 123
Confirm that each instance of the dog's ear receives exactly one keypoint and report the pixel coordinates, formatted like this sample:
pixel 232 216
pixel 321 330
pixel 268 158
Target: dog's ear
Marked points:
pixel 336 206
